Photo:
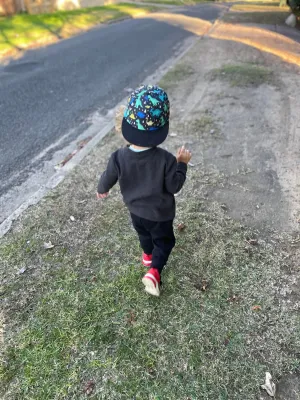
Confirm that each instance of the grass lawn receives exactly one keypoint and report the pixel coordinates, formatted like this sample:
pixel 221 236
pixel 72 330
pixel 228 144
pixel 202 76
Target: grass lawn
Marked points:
pixel 267 13
pixel 24 31
pixel 78 322
pixel 244 75
pixel 178 2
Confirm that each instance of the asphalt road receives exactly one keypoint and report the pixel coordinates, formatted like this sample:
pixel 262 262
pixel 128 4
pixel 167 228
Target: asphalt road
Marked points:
pixel 53 90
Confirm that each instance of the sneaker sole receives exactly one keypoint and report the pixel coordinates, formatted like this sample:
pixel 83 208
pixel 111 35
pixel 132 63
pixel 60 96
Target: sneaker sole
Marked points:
pixel 150 287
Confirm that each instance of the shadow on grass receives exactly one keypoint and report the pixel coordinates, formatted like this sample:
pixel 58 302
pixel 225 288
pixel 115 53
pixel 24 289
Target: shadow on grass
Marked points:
pixel 6 40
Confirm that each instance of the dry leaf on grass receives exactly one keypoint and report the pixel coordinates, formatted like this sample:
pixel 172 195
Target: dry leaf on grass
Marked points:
pixel 80 145
pixel 131 318
pixel 203 285
pixel 83 142
pixel 256 308
pixel 233 299
pixel 48 245
pixel 181 227
pixel 89 387
pixel 253 242
pixel 269 385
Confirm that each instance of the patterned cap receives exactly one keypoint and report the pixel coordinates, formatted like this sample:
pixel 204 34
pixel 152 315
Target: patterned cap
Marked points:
pixel 148 108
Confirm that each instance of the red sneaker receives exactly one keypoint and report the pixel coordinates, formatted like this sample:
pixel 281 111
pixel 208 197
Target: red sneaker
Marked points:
pixel 147 260
pixel 152 282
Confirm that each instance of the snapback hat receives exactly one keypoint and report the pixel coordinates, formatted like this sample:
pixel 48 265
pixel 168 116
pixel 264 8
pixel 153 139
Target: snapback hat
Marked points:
pixel 146 118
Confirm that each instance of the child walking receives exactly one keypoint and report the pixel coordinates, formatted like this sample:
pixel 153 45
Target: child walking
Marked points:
pixel 149 177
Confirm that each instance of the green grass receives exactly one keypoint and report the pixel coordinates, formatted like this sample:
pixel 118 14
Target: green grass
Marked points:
pixel 23 31
pixel 243 75
pixel 258 7
pixel 269 18
pixel 79 312
pixel 176 74
pixel 261 13
pixel 177 2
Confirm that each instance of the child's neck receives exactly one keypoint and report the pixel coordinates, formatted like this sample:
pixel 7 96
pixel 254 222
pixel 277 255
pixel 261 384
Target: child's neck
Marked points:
pixel 138 147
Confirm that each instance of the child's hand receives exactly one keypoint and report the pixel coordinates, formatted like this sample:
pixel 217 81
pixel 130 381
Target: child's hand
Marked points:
pixel 102 195
pixel 183 155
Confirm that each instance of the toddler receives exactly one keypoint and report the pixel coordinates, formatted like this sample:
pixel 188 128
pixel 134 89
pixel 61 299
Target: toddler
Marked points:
pixel 148 177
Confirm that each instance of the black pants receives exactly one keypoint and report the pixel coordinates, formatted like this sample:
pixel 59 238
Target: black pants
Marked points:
pixel 156 238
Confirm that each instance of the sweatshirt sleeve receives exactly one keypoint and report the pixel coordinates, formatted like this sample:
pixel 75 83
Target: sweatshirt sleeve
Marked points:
pixel 175 175
pixel 109 177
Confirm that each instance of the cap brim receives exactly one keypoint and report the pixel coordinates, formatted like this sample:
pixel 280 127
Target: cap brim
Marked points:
pixel 144 138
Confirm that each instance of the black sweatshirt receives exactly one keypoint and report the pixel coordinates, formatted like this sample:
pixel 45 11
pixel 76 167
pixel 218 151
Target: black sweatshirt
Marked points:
pixel 148 181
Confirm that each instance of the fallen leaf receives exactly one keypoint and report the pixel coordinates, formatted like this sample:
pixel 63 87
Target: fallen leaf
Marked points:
pixel 72 218
pixel 224 207
pixel 22 270
pixel 269 385
pixel 131 318
pixel 66 159
pixel 233 299
pixel 48 245
pixel 256 308
pixel 83 142
pixel 89 387
pixel 226 341
pixel 181 227
pixel 253 242
pixel 203 285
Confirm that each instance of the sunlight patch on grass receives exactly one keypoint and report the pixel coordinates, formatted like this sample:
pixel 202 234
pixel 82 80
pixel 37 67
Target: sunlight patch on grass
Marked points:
pixel 177 2
pixel 269 7
pixel 23 31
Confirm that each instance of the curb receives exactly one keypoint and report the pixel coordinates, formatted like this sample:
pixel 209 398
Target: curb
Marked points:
pixel 55 179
